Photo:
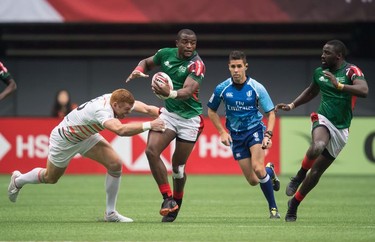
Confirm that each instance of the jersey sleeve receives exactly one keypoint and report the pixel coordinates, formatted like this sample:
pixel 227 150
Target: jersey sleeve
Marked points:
pixel 103 115
pixel 215 99
pixel 158 57
pixel 264 98
pixel 197 69
pixel 354 72
pixel 103 110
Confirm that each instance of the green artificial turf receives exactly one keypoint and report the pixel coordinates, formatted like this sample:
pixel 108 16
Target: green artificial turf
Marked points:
pixel 215 208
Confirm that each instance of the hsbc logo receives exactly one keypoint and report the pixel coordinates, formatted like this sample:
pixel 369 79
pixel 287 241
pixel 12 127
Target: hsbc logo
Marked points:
pixel 130 149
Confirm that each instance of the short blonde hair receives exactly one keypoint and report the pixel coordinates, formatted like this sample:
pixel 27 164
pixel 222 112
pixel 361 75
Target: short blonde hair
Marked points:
pixel 122 96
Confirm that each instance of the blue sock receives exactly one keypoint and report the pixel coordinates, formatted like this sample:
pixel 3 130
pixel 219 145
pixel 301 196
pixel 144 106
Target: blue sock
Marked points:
pixel 267 189
pixel 270 172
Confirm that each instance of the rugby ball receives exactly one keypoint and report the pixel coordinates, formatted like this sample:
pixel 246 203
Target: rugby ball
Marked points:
pixel 162 79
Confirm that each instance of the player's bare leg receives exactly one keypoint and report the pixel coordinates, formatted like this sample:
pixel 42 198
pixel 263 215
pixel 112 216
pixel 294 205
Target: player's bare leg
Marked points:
pixel 320 139
pixel 180 156
pixel 320 166
pixel 157 142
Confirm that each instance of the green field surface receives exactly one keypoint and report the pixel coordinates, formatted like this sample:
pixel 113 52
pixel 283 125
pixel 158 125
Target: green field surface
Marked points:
pixel 215 208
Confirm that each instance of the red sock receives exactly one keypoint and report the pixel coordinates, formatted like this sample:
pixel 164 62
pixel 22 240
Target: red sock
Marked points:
pixel 178 195
pixel 165 189
pixel 307 163
pixel 299 197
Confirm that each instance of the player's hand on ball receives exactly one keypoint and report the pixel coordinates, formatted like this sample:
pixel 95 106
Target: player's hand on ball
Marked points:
pixel 160 89
pixel 161 85
pixel 158 125
pixel 136 74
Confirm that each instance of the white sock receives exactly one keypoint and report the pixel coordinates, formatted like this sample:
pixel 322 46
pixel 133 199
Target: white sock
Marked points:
pixel 34 176
pixel 112 185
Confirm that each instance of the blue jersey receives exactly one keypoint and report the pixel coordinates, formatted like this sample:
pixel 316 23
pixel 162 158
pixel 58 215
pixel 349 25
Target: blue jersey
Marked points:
pixel 241 105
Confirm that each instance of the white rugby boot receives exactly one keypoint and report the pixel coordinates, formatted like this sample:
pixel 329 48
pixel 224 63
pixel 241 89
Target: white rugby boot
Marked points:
pixel 116 217
pixel 12 189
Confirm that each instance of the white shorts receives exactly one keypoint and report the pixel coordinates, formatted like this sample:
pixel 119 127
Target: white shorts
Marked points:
pixel 62 151
pixel 339 137
pixel 186 129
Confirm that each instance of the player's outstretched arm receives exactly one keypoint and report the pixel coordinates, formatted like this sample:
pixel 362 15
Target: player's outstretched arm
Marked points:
pixel 306 96
pixel 143 66
pixel 130 129
pixel 141 107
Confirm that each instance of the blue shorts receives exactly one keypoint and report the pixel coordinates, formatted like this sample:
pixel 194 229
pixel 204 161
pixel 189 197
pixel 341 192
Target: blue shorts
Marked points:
pixel 242 141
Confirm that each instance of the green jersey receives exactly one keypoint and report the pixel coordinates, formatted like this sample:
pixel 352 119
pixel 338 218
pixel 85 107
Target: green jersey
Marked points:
pixel 337 105
pixel 178 70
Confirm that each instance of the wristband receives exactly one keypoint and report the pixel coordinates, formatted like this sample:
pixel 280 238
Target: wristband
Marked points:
pixel 270 133
pixel 172 94
pixel 340 86
pixel 291 106
pixel 139 68
pixel 146 126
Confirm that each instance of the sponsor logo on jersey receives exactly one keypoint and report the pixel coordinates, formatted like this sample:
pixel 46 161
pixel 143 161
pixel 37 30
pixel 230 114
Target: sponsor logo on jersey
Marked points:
pixel 229 94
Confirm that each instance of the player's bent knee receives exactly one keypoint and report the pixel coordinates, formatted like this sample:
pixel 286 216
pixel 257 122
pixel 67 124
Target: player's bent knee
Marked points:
pixel 114 166
pixel 318 147
pixel 116 173
pixel 180 172
pixel 151 153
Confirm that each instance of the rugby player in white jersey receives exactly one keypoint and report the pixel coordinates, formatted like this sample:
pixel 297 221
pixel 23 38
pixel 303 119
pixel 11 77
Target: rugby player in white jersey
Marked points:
pixel 79 133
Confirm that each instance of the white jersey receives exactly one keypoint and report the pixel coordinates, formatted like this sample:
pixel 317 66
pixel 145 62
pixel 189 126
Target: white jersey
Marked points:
pixel 86 120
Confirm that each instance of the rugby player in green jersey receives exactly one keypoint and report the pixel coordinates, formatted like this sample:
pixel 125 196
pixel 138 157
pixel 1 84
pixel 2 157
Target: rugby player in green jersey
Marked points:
pixel 339 83
pixel 182 114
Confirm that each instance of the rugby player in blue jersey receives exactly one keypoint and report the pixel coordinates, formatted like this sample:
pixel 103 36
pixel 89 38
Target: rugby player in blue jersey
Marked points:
pixel 245 132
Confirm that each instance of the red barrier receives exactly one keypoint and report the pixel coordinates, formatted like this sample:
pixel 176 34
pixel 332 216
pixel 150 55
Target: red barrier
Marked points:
pixel 24 145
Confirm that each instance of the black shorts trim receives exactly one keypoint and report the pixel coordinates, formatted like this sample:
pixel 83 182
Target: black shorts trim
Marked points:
pixel 185 141
pixel 327 155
